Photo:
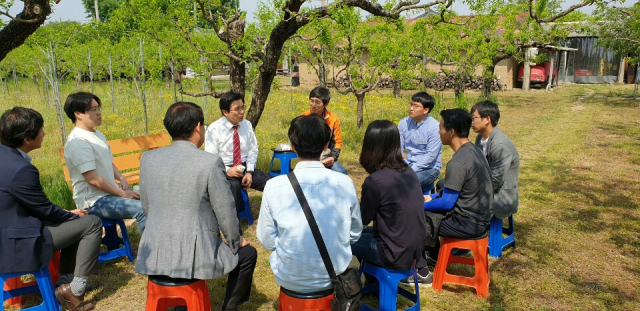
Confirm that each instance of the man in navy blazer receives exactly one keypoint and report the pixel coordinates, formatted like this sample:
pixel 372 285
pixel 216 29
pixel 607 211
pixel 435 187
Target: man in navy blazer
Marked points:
pixel 31 227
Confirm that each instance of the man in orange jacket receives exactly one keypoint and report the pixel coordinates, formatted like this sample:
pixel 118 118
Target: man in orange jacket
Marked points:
pixel 318 101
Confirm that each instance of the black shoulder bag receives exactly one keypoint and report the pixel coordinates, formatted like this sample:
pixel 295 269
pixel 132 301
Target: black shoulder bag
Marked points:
pixel 346 286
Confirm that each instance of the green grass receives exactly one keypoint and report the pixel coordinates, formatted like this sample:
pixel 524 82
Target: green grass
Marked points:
pixel 577 225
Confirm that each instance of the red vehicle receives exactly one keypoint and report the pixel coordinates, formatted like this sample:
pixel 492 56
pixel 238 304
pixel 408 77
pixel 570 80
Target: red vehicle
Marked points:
pixel 539 73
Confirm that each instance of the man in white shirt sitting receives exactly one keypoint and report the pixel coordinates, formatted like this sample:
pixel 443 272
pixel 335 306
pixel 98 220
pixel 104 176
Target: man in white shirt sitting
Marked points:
pixel 283 228
pixel 91 167
pixel 232 138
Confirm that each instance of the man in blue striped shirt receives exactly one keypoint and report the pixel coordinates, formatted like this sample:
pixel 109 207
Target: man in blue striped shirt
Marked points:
pixel 419 136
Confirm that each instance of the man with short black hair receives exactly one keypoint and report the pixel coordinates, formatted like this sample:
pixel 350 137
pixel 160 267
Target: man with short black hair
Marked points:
pixel 283 228
pixel 187 197
pixel 419 136
pixel 467 184
pixel 502 156
pixel 31 227
pixel 318 101
pixel 232 138
pixel 90 163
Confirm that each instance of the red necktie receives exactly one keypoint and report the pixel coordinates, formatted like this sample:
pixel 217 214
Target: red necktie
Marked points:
pixel 237 158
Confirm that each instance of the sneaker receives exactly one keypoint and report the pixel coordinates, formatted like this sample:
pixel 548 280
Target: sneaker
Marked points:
pixel 422 280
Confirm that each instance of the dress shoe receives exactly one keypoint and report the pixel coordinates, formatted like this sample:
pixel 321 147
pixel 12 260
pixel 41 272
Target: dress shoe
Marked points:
pixel 72 302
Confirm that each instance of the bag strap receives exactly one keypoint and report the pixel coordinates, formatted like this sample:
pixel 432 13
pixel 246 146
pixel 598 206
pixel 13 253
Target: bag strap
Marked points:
pixel 314 226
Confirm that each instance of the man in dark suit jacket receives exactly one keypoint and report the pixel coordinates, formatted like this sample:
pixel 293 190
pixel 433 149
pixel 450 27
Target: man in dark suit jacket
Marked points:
pixel 502 156
pixel 31 227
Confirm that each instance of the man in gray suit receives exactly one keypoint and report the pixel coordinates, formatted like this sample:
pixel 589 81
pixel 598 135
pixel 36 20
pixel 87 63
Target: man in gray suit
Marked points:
pixel 187 198
pixel 502 156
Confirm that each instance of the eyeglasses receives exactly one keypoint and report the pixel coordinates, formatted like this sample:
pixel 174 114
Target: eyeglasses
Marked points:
pixel 239 109
pixel 473 118
pixel 94 109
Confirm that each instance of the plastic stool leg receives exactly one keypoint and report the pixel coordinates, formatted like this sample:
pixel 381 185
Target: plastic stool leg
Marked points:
pixel 11 284
pixel 271 166
pixel 125 240
pixel 45 285
pixel 284 165
pixel 246 213
pixel 495 237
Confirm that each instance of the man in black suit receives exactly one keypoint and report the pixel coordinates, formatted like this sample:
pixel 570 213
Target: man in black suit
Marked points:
pixel 31 227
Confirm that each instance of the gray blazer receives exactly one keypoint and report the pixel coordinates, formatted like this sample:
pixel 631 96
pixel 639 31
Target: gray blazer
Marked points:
pixel 504 162
pixel 188 203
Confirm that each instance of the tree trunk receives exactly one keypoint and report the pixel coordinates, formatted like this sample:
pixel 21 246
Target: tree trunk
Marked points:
pixel 16 32
pixel 279 35
pixel 397 87
pixel 360 108
pixel 237 67
pixel 487 81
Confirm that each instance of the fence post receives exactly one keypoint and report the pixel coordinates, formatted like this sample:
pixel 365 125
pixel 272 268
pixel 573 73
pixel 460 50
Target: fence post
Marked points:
pixel 144 99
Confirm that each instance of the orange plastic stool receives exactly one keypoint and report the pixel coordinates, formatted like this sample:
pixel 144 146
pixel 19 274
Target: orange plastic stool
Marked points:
pixel 162 294
pixel 291 301
pixel 54 269
pixel 480 281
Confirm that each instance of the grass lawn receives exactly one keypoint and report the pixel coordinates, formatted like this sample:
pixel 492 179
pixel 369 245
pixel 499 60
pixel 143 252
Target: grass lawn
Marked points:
pixel 577 229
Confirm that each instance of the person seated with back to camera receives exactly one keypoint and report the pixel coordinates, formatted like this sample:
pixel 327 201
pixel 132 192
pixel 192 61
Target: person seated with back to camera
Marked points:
pixel 185 189
pixel 467 196
pixel 392 199
pixel 283 228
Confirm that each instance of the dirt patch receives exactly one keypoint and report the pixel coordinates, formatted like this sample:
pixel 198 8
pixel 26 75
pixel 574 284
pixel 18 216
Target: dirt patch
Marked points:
pixel 578 108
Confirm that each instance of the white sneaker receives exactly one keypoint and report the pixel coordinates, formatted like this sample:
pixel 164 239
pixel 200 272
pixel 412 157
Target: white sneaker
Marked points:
pixel 422 280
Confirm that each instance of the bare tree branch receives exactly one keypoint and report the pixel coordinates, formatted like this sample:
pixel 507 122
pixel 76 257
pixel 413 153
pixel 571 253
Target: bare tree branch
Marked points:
pixel 213 93
pixel 624 11
pixel 15 19
pixel 636 41
pixel 570 9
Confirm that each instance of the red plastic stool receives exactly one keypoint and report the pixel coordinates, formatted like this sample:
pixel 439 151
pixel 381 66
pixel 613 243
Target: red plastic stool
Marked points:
pixel 480 281
pixel 54 269
pixel 292 301
pixel 164 292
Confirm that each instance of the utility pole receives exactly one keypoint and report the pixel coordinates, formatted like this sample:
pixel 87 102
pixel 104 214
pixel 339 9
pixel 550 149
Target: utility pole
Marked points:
pixel 95 6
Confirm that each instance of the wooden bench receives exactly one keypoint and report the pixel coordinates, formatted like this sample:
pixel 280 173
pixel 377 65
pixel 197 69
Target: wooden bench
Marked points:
pixel 127 153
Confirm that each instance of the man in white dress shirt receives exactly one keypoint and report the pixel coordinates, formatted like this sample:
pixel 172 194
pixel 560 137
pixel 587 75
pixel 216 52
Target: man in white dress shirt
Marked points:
pixel 232 138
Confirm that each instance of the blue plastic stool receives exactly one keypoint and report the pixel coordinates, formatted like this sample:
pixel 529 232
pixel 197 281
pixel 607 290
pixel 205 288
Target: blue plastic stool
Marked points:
pixel 387 286
pixel 285 162
pixel 113 241
pixel 246 213
pixel 496 242
pixel 44 286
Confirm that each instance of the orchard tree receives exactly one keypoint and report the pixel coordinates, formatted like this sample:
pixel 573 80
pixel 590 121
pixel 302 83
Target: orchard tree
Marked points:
pixel 363 55
pixel 619 30
pixel 260 46
pixel 21 26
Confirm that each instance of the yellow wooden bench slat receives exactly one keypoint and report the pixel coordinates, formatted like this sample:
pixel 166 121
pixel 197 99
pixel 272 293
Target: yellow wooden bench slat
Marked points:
pixel 132 148
pixel 125 145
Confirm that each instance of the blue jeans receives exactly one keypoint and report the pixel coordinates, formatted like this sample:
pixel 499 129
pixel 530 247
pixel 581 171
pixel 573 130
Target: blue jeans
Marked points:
pixel 427 177
pixel 114 207
pixel 367 248
pixel 337 167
